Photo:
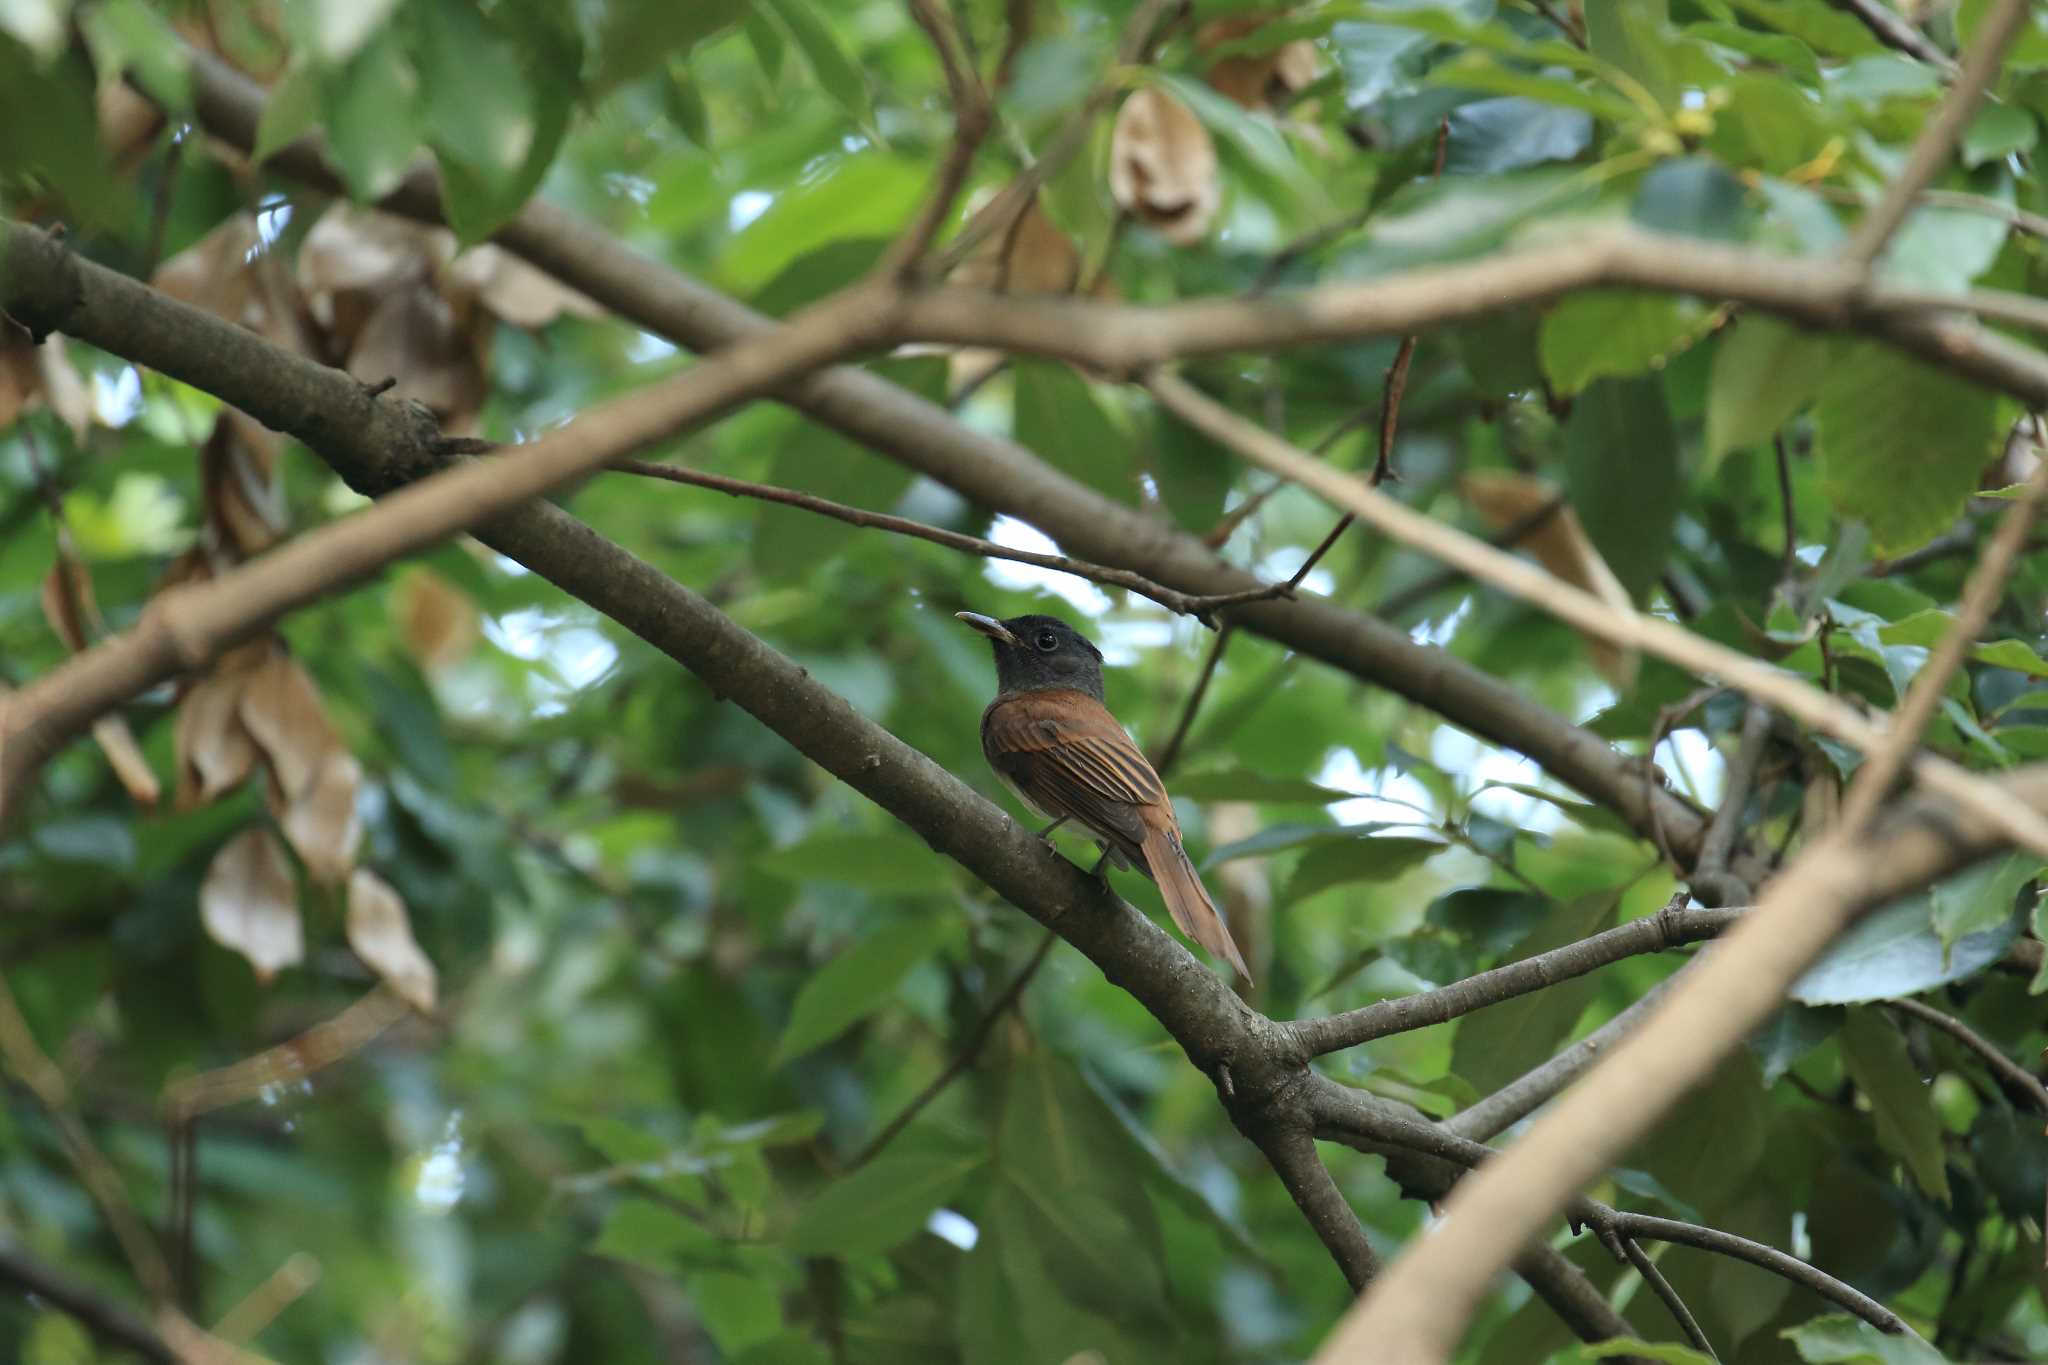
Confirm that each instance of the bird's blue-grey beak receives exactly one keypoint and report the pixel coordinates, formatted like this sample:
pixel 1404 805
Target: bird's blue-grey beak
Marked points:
pixel 987 625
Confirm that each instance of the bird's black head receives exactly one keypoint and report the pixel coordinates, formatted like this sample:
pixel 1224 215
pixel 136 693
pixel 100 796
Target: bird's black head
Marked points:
pixel 1038 652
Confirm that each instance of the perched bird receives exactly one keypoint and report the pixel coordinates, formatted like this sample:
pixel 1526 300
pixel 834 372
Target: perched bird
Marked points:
pixel 1052 741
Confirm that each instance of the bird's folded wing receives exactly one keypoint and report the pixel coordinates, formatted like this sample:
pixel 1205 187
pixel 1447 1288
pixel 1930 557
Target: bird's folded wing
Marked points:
pixel 1067 753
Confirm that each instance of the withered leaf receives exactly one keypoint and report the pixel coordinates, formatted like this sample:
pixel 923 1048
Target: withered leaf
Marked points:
pixel 283 711
pixel 248 904
pixel 436 620
pixel 1162 166
pixel 214 749
pixel 322 823
pixel 1504 498
pixel 1032 256
pixel 381 934
pixel 124 756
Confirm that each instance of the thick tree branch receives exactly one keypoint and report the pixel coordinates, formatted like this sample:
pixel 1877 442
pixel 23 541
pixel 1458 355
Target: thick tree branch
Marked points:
pixel 1004 476
pixel 1292 1153
pixel 48 289
pixel 1650 934
pixel 1418 1309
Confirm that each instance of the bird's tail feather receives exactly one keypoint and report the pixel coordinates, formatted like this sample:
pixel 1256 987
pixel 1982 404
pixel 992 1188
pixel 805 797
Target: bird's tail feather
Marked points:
pixel 1187 899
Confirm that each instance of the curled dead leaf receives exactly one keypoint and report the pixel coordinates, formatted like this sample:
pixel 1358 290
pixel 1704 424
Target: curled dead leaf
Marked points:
pixel 1032 257
pixel 1260 81
pixel 436 620
pixel 431 348
pixel 515 291
pixel 381 934
pixel 244 497
pixel 284 713
pixel 68 603
pixel 1507 499
pixel 125 757
pixel 1162 166
pixel 248 904
pixel 322 822
pixel 214 749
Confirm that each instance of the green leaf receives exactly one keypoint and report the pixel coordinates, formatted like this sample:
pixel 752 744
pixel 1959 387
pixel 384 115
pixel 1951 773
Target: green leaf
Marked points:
pixel 129 36
pixel 1907 1127
pixel 2039 922
pixel 1980 899
pixel 1604 332
pixel 791 542
pixel 858 982
pixel 1623 479
pixel 1057 416
pixel 1667 1352
pixel 1333 864
pixel 1634 38
pixel 1999 131
pixel 862 194
pixel 1500 1042
pixel 882 1204
pixel 1943 248
pixel 1242 784
pixel 1792 1031
pixel 53 134
pixel 1839 1339
pixel 292 111
pixel 644 1233
pixel 640 35
pixel 1194 473
pixel 1895 952
pixel 1477 71
pixel 737 1310
pixel 886 860
pixel 830 62
pixel 1693 197
pixel 1281 837
pixel 682 96
pixel 1901 444
pixel 1764 371
pixel 493 123
pixel 372 116
pixel 1258 141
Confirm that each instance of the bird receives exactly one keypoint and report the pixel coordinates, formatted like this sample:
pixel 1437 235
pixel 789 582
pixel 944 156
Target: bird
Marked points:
pixel 1053 743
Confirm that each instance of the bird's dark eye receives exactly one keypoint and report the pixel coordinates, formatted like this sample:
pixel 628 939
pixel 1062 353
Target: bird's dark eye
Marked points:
pixel 1048 641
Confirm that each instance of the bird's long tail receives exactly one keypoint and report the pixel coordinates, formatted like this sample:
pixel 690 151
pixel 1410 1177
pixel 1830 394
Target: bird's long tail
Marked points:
pixel 1188 899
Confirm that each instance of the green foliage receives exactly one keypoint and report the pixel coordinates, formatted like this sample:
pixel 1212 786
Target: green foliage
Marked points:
pixel 685 976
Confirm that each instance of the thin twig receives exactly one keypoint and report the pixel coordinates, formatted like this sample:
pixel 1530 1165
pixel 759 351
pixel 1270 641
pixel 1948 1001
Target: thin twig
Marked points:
pixel 1668 928
pixel 1644 1227
pixel 2011 1072
pixel 1170 752
pixel 1661 1287
pixel 1998 30
pixel 111 1322
pixel 1562 20
pixel 1710 873
pixel 1627 628
pixel 971 120
pixel 1788 568
pixel 1183 603
pixel 1012 200
pixel 1891 29
pixel 977 1038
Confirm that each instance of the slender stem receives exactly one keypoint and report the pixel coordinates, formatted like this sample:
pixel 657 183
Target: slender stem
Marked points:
pixel 1890 28
pixel 1184 603
pixel 1170 753
pixel 1710 870
pixel 1997 31
pixel 977 1038
pixel 1292 1154
pixel 1661 1287
pixel 2015 1075
pixel 112 1322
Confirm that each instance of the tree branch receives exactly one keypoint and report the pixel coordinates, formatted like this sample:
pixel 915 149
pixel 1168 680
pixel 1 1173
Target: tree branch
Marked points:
pixel 1937 140
pixel 1661 1287
pixel 1892 30
pixel 1201 608
pixel 1002 475
pixel 1577 607
pixel 47 289
pixel 1650 934
pixel 1292 1154
pixel 2007 1070
pixel 109 1321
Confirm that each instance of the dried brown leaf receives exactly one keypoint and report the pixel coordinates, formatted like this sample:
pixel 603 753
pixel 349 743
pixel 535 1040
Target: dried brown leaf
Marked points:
pixel 436 620
pixel 215 751
pixel 248 904
pixel 1504 498
pixel 283 711
pixel 244 498
pixel 417 337
pixel 322 823
pixel 381 934
pixel 1032 257
pixel 515 291
pixel 213 273
pixel 124 756
pixel 68 603
pixel 1162 166
pixel 128 121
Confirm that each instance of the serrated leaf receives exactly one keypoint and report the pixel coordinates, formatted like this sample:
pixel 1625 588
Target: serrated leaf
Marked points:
pixel 1764 371
pixel 1895 952
pixel 1980 899
pixel 884 1203
pixel 1600 333
pixel 859 981
pixel 1901 444
pixel 1875 1056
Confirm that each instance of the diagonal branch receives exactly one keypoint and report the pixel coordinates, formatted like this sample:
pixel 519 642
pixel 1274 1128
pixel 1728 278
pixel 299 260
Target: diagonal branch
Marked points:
pixel 1418 1309
pixel 1996 32
pixel 1650 934
pixel 2007 1070
pixel 108 1320
pixel 1628 628
pixel 1201 608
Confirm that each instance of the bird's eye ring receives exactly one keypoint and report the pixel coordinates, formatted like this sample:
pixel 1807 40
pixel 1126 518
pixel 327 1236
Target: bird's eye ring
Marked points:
pixel 1048 641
